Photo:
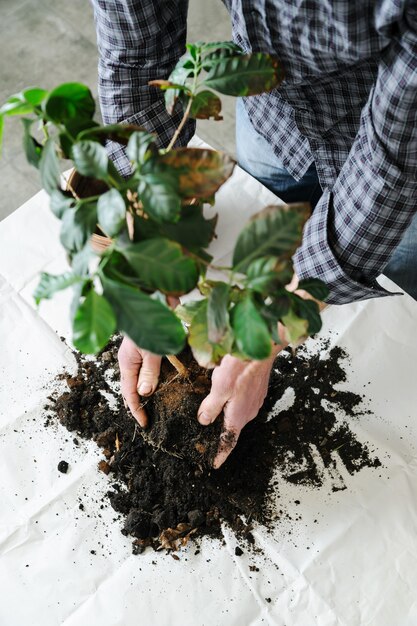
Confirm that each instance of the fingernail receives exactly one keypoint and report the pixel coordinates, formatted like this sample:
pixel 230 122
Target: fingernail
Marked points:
pixel 204 419
pixel 145 389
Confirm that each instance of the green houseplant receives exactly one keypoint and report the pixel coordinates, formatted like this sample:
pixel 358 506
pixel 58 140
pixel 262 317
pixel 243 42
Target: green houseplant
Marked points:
pixel 155 225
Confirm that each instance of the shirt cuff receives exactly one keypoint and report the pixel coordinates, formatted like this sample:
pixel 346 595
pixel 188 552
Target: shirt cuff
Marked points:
pixel 316 259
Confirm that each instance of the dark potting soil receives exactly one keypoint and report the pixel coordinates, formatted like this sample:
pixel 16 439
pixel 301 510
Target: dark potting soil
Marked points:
pixel 169 498
pixel 172 412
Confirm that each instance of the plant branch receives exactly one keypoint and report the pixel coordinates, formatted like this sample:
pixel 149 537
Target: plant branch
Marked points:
pixel 181 126
pixel 175 362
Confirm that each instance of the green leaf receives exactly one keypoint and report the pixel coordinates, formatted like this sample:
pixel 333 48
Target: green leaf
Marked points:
pixel 149 323
pixel 119 270
pixel 34 95
pixel 60 202
pixel 138 146
pixel 69 101
pixel 206 105
pixel 198 337
pixel 50 284
pixel 159 195
pixel 16 105
pixel 261 273
pixel 77 226
pixel 114 132
pixel 308 310
pixel 213 52
pixel 80 126
pixel 217 312
pixel 296 328
pixel 49 167
pixel 314 287
pixel 275 311
pixel 111 212
pixel 192 230
pixel 90 159
pixel 245 75
pixel 80 261
pixel 94 323
pixel 184 69
pixel 174 91
pixel 194 50
pixel 160 264
pixel 74 127
pixel 274 231
pixel 251 332
pixel 200 171
pixel 187 310
pixel 24 102
pixel 32 148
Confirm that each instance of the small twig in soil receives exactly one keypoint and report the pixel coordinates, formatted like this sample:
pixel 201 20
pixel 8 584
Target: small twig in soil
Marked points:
pixel 134 432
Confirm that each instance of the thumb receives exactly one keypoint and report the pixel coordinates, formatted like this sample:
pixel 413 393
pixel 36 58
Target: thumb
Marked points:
pixel 210 408
pixel 149 373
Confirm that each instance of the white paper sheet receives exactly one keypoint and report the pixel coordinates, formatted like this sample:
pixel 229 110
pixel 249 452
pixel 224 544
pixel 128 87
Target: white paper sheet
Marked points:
pixel 355 566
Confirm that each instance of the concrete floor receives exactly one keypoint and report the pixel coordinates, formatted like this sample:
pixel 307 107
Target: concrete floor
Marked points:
pixel 47 42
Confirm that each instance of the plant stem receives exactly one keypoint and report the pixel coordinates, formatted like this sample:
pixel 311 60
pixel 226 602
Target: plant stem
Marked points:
pixel 45 131
pixel 181 126
pixel 220 268
pixel 181 369
pixel 89 199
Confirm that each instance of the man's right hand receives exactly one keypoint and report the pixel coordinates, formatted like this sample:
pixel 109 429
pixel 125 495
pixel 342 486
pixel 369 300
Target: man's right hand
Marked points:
pixel 139 374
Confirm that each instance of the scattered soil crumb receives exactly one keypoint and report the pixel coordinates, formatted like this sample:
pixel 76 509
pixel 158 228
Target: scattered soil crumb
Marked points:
pixel 63 467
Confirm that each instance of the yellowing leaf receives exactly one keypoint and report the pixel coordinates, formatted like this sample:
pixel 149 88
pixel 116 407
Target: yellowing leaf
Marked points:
pixel 295 328
pixel 201 172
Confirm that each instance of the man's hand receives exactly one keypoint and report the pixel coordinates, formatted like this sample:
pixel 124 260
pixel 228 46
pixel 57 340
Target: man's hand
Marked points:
pixel 139 374
pixel 239 389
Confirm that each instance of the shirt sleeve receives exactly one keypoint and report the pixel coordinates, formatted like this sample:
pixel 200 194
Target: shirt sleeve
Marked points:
pixel 357 224
pixel 139 41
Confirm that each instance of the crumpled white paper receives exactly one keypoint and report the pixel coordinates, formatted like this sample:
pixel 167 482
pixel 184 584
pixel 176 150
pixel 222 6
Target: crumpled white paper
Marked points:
pixel 356 565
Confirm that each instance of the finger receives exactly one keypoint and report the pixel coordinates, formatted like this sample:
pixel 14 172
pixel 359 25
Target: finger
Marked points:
pixel 210 408
pixel 149 374
pixel 129 381
pixel 228 440
pixel 241 408
pixel 222 385
pixel 173 301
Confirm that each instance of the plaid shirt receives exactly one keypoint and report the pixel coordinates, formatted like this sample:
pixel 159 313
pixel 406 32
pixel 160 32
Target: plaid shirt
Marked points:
pixel 348 103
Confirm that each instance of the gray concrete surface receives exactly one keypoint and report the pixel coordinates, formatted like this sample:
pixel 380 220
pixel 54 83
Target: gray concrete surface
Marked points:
pixel 46 42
